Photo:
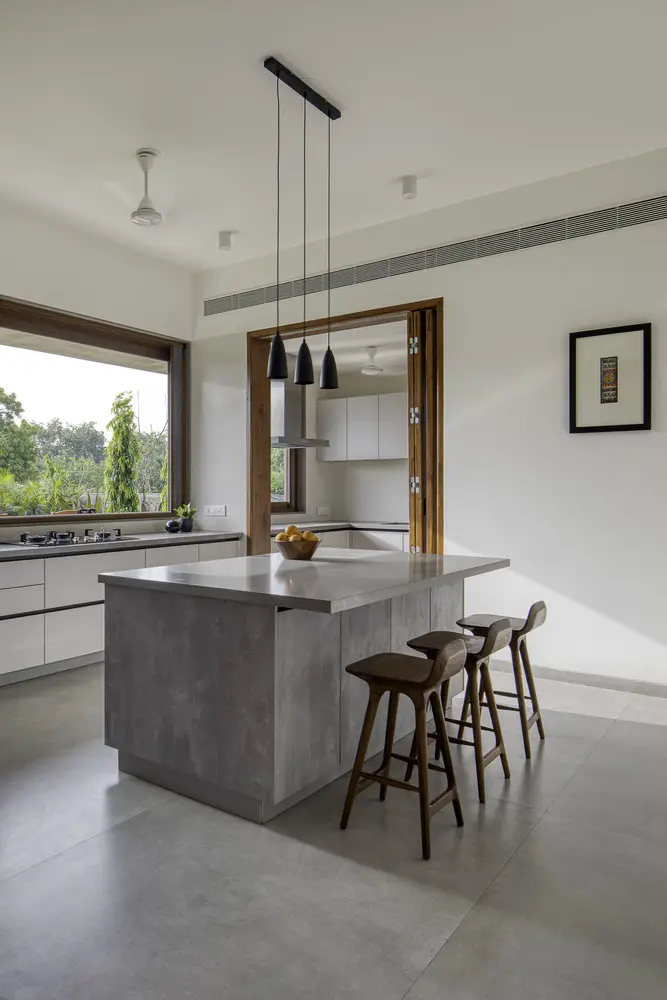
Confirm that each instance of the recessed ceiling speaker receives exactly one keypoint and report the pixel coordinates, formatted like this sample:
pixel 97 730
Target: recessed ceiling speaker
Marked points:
pixel 145 214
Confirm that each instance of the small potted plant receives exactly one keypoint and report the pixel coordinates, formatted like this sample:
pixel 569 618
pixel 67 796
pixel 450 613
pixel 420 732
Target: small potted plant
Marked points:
pixel 186 512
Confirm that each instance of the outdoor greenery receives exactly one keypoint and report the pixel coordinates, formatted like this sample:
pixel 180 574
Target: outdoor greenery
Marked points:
pixel 52 467
pixel 278 461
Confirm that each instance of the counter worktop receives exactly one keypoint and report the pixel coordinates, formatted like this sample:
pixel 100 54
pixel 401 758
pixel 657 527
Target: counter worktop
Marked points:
pixel 335 580
pixel 148 540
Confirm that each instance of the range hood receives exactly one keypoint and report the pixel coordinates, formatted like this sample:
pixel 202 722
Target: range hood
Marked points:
pixel 288 415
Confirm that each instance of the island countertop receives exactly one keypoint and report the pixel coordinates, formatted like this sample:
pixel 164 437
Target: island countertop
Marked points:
pixel 335 580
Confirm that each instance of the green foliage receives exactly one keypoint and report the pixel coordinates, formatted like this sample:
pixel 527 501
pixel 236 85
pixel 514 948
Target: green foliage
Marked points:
pixel 18 448
pixel 123 453
pixel 278 465
pixel 164 472
pixel 82 441
pixel 152 461
pixel 186 510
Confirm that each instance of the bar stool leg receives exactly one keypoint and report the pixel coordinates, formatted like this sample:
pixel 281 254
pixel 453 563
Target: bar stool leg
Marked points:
pixel 389 740
pixel 441 727
pixel 422 766
pixel 473 691
pixel 523 647
pixel 521 696
pixel 465 709
pixel 495 717
pixel 364 739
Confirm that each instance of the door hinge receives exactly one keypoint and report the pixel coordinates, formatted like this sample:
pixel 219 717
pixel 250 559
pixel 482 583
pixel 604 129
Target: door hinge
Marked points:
pixel 414 484
pixel 413 345
pixel 414 415
pixel 415 548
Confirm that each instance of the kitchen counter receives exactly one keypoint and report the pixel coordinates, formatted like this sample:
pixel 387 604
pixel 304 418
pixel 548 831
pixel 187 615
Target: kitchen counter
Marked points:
pixel 148 540
pixel 226 681
pixel 325 526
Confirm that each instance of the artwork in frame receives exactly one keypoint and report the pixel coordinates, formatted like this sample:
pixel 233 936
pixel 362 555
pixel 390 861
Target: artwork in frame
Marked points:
pixel 610 379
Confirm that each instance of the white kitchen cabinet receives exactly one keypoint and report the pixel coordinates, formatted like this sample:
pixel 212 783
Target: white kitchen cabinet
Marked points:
pixel 393 425
pixel 332 426
pixel 362 428
pixel 73 579
pixel 77 632
pixel 406 541
pixel 22 573
pixel 18 600
pixel 335 539
pixel 218 550
pixel 172 555
pixel 388 540
pixel 21 643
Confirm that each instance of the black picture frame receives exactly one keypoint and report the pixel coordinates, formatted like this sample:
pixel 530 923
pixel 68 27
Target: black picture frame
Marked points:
pixel 645 424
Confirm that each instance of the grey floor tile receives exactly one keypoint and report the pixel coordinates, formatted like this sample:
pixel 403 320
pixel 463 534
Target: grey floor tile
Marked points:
pixel 570 916
pixel 622 786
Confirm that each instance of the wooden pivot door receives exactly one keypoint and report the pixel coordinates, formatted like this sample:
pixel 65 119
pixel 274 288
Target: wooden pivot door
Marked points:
pixel 426 429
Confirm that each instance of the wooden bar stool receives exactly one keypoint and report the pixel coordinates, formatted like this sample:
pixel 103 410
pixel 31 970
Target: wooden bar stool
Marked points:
pixel 478 653
pixel 419 680
pixel 479 625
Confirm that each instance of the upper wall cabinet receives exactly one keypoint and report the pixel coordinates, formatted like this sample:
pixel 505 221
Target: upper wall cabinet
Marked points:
pixel 363 427
pixel 331 425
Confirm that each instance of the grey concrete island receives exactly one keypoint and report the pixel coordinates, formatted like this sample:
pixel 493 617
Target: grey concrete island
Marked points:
pixel 225 681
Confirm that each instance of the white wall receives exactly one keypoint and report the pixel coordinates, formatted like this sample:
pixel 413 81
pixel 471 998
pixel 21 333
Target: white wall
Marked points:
pixel 582 517
pixel 46 262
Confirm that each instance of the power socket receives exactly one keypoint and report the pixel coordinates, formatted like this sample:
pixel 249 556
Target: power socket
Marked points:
pixel 324 511
pixel 216 510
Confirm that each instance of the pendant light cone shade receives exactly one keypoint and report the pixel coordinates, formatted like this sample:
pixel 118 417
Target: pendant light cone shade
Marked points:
pixel 277 368
pixel 329 372
pixel 303 370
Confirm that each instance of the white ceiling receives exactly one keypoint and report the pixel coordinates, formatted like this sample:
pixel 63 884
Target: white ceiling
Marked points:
pixel 472 97
pixel 351 347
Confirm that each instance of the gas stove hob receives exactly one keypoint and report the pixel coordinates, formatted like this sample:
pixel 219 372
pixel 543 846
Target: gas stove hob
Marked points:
pixel 52 539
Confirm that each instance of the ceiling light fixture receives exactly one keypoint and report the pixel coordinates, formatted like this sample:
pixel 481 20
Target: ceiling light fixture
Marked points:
pixel 371 368
pixel 409 187
pixel 277 357
pixel 145 214
pixel 303 370
pixel 277 367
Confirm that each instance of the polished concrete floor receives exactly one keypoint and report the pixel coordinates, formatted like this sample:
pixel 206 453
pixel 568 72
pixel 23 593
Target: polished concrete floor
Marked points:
pixel 111 889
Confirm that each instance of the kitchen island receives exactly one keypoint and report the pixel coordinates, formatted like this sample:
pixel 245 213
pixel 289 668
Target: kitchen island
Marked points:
pixel 226 681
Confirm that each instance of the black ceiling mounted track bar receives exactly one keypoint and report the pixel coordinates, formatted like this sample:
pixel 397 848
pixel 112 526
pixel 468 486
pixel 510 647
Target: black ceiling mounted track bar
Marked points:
pixel 289 78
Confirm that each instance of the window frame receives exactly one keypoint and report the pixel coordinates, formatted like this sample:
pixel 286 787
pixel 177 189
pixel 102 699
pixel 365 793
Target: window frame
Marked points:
pixel 28 317
pixel 292 469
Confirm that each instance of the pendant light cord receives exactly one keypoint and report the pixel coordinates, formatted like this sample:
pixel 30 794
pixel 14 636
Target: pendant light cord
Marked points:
pixel 278 208
pixel 304 214
pixel 329 236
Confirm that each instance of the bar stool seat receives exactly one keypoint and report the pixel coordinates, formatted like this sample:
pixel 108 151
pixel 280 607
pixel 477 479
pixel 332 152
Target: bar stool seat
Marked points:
pixel 478 654
pixel 420 680
pixel 480 625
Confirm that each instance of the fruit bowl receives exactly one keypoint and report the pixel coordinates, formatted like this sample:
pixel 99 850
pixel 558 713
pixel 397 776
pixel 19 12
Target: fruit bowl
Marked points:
pixel 302 550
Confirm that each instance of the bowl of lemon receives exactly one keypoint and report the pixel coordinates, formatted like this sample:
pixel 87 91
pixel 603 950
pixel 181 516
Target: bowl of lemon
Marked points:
pixel 295 544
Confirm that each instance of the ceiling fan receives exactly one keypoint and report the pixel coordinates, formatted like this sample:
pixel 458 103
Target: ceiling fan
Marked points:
pixel 145 214
pixel 371 368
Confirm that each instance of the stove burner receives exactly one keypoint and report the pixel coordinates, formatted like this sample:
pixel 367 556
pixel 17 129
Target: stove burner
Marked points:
pixel 101 535
pixel 50 538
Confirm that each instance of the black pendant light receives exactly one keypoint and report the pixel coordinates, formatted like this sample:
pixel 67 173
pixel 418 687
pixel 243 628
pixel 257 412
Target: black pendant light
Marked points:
pixel 329 372
pixel 303 371
pixel 277 367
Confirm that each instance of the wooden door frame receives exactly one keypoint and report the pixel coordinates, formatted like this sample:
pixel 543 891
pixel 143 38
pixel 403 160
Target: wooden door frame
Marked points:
pixel 259 417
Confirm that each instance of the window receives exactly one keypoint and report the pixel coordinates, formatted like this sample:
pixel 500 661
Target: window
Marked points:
pixel 284 479
pixel 85 429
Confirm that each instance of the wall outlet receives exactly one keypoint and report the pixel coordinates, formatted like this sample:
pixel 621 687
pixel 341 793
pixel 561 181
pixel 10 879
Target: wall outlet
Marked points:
pixel 216 510
pixel 324 511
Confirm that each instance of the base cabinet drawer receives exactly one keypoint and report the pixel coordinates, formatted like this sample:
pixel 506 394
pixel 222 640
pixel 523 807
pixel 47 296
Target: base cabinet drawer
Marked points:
pixel 22 573
pixel 18 600
pixel 73 579
pixel 218 550
pixel 335 539
pixel 21 643
pixel 174 555
pixel 74 633
pixel 389 540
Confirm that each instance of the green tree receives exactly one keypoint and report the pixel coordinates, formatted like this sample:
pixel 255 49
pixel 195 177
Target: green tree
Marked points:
pixel 120 472
pixel 18 448
pixel 60 440
pixel 152 452
pixel 164 494
pixel 278 460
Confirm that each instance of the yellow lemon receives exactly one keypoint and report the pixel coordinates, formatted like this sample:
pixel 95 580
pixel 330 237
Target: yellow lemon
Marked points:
pixel 296 536
pixel 282 536
pixel 310 536
pixel 292 530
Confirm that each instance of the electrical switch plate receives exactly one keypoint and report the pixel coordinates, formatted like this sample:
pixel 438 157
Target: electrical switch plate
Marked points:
pixel 216 510
pixel 324 511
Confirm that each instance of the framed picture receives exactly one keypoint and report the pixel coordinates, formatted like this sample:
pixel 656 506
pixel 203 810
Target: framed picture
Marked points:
pixel 610 379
